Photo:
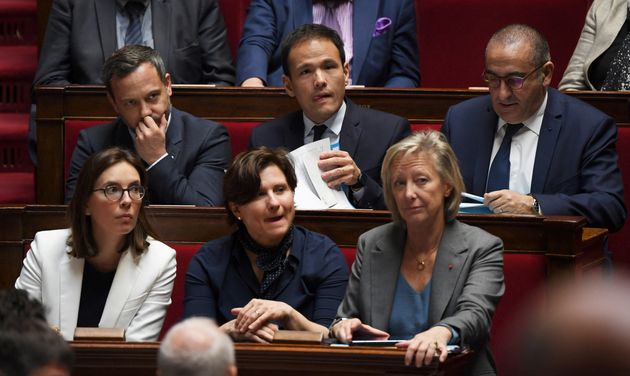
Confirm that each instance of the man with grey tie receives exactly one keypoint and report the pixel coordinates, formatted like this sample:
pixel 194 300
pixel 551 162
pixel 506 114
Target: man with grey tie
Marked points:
pixel 81 34
pixel 529 149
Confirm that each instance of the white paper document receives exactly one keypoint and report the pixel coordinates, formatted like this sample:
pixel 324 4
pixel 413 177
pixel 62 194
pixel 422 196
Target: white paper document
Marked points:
pixel 311 191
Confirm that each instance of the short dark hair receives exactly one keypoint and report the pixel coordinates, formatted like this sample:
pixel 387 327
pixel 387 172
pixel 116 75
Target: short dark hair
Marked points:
pixel 242 180
pixel 81 239
pixel 27 343
pixel 515 33
pixel 126 60
pixel 309 32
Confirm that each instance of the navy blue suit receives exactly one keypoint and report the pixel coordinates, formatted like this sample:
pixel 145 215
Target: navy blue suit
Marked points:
pixel 390 59
pixel 575 171
pixel 191 173
pixel 365 134
pixel 220 277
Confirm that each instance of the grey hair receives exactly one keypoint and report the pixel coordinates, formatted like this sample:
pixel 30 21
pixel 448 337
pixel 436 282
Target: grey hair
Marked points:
pixel 196 347
pixel 516 33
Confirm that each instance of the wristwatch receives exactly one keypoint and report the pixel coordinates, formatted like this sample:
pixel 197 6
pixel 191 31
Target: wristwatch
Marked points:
pixel 361 182
pixel 535 205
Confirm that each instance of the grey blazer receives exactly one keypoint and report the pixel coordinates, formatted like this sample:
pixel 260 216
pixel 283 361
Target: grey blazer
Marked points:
pixel 467 283
pixel 603 22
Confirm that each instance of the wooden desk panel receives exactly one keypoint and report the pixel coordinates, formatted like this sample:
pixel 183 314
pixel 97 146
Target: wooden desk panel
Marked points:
pixel 139 359
pixel 56 104
pixel 564 242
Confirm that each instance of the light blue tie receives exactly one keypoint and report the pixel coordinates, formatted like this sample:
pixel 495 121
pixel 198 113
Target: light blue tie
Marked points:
pixel 499 174
pixel 135 11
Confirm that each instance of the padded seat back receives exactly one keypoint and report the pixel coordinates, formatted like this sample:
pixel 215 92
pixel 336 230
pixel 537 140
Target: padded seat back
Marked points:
pixel 239 132
pixel 618 242
pixel 185 253
pixel 453 34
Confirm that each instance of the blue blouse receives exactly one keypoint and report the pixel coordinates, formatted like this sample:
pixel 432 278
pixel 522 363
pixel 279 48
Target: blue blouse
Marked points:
pixel 220 277
pixel 410 311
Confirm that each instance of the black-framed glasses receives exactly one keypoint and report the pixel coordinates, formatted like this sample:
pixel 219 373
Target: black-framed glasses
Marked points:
pixel 514 82
pixel 114 192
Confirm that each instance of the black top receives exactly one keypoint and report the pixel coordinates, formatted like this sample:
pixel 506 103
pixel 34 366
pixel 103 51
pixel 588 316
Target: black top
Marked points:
pixel 599 68
pixel 94 290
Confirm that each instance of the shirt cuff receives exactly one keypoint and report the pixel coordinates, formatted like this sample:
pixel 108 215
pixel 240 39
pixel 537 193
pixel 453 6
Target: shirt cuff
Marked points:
pixel 454 334
pixel 158 161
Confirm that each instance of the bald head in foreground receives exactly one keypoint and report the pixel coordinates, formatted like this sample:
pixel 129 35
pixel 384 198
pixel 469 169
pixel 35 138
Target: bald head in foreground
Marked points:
pixel 196 347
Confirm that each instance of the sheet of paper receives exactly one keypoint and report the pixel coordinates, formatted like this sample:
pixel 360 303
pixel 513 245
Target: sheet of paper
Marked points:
pixel 311 191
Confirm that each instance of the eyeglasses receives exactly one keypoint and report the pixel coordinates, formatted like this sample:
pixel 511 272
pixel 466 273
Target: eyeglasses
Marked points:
pixel 115 192
pixel 514 82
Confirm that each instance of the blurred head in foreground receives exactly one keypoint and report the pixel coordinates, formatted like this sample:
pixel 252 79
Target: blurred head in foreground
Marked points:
pixel 196 347
pixel 584 329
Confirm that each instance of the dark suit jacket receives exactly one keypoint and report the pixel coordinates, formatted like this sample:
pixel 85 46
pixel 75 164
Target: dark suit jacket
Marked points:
pixel 81 34
pixel 365 134
pixel 389 59
pixel 575 171
pixel 191 173
pixel 467 283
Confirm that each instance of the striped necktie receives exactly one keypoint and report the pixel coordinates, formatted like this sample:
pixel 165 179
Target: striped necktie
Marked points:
pixel 135 11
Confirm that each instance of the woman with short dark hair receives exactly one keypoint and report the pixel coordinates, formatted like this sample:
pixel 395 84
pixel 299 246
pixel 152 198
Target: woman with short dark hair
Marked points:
pixel 105 270
pixel 268 271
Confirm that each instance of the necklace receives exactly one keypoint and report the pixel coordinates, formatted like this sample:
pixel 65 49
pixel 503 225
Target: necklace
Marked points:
pixel 422 262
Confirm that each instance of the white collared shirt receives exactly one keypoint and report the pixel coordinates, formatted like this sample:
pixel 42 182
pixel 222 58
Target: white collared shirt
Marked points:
pixel 333 127
pixel 522 150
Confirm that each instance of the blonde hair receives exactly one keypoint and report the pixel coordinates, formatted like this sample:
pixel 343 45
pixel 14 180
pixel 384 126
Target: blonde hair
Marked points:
pixel 434 144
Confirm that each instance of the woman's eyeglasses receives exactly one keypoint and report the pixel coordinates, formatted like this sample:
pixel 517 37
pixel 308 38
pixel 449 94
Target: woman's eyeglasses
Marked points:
pixel 115 192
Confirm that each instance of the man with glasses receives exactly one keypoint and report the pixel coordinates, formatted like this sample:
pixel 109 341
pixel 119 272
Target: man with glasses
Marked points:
pixel 185 156
pixel 529 149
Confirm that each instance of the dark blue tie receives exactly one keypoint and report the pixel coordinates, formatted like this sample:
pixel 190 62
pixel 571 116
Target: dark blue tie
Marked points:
pixel 499 174
pixel 135 11
pixel 318 131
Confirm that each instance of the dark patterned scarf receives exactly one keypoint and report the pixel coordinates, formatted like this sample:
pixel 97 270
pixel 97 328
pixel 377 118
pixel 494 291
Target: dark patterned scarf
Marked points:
pixel 270 260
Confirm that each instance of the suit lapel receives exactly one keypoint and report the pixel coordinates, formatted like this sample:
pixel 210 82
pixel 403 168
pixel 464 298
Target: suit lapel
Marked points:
pixel 294 138
pixel 174 134
pixel 122 137
pixel 606 35
pixel 126 274
pixel 364 15
pixel 161 18
pixel 549 131
pixel 350 129
pixel 450 259
pixel 486 139
pixel 106 20
pixel 70 281
pixel 384 271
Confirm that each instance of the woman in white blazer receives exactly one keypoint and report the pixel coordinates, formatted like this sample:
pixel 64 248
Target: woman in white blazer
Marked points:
pixel 106 270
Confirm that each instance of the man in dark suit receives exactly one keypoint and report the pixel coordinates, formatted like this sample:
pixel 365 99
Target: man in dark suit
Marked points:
pixel 81 34
pixel 561 159
pixel 315 74
pixel 379 36
pixel 185 156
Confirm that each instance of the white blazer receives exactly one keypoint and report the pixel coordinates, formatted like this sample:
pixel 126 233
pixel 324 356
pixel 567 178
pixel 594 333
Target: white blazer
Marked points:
pixel 138 299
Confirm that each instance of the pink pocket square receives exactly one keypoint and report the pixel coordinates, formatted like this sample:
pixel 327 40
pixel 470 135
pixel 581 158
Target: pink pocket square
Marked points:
pixel 381 26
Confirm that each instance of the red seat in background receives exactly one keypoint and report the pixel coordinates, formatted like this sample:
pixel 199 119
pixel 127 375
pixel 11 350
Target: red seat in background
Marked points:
pixel 453 34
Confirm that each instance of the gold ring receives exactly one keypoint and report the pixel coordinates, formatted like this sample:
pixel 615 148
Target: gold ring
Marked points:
pixel 257 313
